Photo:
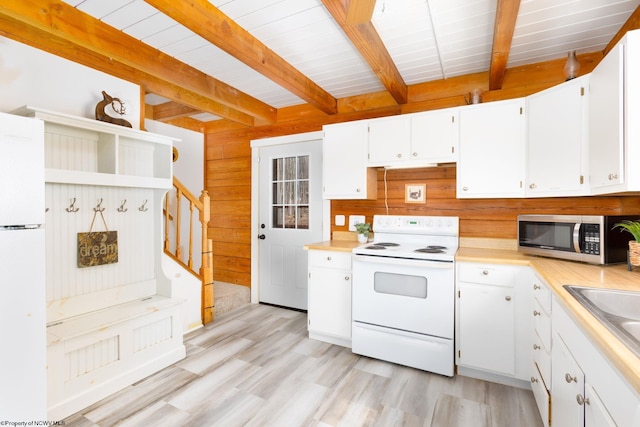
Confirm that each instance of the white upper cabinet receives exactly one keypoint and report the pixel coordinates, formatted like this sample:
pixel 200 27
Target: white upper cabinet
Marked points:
pixel 491 161
pixel 435 136
pixel 345 172
pixel 557 146
pixel 614 131
pixel 414 140
pixel 389 140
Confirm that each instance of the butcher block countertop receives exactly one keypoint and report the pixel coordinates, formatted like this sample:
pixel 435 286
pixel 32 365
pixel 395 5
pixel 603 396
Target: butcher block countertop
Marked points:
pixel 558 273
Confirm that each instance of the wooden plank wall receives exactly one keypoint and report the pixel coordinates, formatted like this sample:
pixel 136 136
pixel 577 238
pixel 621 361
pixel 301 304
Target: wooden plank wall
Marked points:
pixel 478 217
pixel 228 167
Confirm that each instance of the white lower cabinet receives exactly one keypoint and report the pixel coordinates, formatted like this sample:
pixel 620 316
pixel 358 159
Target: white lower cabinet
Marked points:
pixel 492 322
pixel 329 307
pixel 586 389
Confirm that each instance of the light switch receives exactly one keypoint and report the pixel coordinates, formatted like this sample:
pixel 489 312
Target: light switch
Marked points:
pixel 355 219
pixel 339 220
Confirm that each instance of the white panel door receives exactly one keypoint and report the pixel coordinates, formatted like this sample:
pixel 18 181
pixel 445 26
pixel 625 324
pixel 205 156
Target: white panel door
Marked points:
pixel 290 212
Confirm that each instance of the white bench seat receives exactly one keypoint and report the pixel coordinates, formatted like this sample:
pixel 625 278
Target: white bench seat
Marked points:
pixel 93 355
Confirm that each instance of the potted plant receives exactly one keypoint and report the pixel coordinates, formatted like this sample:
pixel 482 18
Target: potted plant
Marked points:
pixel 632 227
pixel 363 230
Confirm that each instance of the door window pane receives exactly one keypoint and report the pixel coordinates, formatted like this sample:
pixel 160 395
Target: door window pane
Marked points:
pixel 290 192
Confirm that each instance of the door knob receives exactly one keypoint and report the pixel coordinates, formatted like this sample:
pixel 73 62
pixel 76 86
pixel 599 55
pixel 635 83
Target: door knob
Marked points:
pixel 261 236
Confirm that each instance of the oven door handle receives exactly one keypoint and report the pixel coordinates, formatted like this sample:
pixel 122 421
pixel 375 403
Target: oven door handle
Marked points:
pixel 445 265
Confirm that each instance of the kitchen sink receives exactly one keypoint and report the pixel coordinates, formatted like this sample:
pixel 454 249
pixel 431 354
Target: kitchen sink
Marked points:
pixel 618 311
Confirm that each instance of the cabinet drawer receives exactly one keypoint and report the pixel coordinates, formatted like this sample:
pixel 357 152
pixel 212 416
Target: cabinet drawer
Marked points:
pixel 542 324
pixel 486 274
pixel 542 359
pixel 543 399
pixel 543 295
pixel 330 259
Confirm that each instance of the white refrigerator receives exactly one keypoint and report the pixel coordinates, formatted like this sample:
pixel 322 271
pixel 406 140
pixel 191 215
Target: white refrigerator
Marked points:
pixel 23 371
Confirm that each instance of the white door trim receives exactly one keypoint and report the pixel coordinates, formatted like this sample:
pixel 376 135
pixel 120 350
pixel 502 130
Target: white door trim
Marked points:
pixel 255 206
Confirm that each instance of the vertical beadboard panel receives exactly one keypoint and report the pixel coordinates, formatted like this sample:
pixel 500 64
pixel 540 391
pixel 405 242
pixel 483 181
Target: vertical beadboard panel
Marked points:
pixel 86 359
pixel 149 335
pixel 135 158
pixel 70 148
pixel 135 230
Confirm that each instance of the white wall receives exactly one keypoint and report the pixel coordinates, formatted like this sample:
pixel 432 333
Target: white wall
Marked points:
pixel 30 76
pixel 189 169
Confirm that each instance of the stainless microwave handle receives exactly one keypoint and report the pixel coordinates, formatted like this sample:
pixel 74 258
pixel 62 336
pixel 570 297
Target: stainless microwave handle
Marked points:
pixel 576 237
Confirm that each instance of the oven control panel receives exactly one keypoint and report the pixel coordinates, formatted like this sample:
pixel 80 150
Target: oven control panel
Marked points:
pixel 442 225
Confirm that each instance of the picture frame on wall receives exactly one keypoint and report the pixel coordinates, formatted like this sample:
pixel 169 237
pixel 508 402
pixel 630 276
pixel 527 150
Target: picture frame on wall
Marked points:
pixel 415 193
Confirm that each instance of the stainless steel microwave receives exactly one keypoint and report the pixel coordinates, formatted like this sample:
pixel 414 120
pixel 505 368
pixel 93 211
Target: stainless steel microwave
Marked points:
pixel 586 238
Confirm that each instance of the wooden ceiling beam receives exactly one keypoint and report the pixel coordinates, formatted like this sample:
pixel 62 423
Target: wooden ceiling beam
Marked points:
pixel 360 11
pixel 206 20
pixel 172 110
pixel 505 24
pixel 367 41
pixel 633 23
pixel 122 55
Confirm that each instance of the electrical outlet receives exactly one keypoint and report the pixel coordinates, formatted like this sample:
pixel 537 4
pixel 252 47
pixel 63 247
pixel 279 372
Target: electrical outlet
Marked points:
pixel 339 221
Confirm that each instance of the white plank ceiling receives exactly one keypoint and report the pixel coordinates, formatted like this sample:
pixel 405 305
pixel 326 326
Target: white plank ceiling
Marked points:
pixel 427 39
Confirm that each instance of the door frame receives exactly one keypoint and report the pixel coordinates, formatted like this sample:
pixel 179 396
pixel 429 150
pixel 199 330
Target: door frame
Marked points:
pixel 255 200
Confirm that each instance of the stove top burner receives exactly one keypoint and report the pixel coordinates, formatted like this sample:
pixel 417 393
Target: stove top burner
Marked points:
pixel 429 251
pixel 376 247
pixel 387 244
pixel 432 249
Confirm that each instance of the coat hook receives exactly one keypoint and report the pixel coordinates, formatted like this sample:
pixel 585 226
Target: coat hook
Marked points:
pixel 99 208
pixel 122 208
pixel 72 207
pixel 143 208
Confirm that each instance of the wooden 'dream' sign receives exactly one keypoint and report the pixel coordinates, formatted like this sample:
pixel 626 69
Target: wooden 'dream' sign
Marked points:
pixel 97 248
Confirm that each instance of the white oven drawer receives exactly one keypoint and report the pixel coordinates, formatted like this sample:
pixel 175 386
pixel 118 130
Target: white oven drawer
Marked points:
pixel 497 275
pixel 330 259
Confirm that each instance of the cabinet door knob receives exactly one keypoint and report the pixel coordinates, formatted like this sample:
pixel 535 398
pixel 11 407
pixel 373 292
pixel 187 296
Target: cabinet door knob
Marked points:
pixel 328 258
pixel 532 185
pixel 613 176
pixel 485 272
pixel 536 287
pixel 415 154
pixel 465 188
pixel 346 277
pixel 508 298
pixel 536 313
pixel 399 155
pixel 568 378
pixel 534 380
pixel 582 400
pixel 536 347
pixel 357 190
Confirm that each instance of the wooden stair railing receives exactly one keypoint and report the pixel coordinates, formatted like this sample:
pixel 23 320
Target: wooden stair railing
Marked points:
pixel 205 273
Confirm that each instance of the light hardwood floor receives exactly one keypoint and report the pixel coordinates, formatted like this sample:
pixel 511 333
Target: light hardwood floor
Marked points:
pixel 255 366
